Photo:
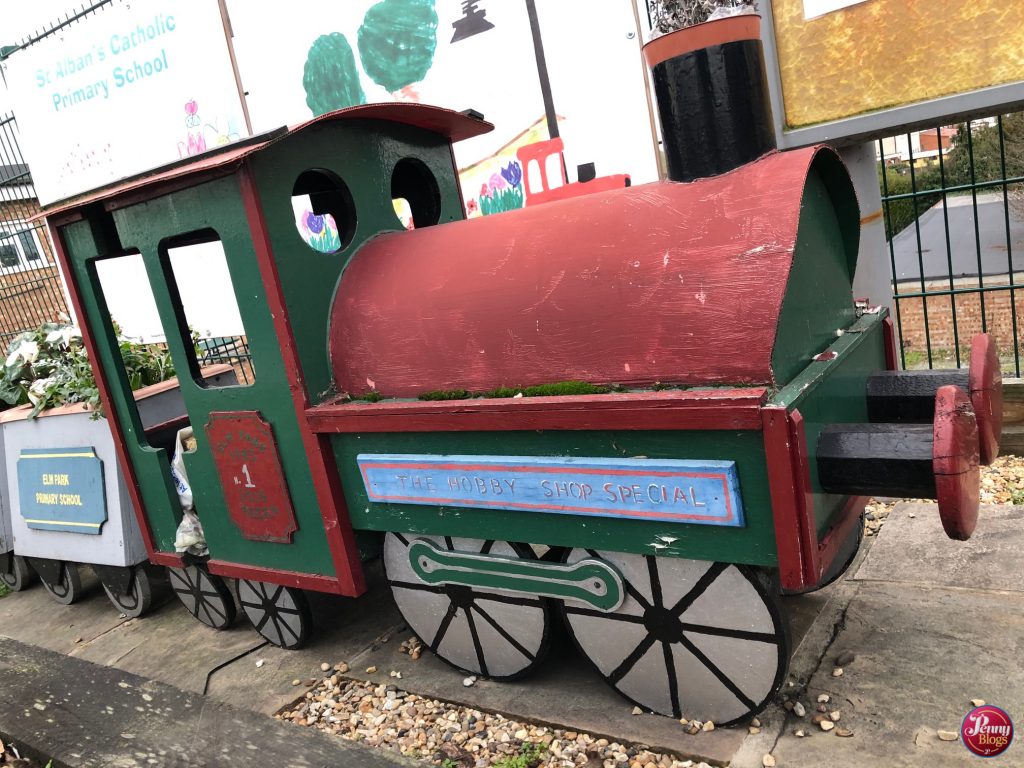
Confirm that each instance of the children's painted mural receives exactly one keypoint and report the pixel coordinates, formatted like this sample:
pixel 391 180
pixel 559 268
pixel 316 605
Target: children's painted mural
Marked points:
pixel 496 183
pixel 202 137
pixel 460 54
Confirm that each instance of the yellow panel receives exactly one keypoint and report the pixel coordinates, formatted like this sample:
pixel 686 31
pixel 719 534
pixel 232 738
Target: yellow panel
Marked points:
pixel 888 53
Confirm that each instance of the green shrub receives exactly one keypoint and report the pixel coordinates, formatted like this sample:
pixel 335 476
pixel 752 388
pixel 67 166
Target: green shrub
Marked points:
pixel 49 367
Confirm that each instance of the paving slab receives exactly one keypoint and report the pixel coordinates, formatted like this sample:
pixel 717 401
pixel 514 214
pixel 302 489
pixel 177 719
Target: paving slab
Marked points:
pixel 169 645
pixel 934 623
pixel 86 715
pixel 343 629
pixel 33 617
pixel 915 550
pixel 922 654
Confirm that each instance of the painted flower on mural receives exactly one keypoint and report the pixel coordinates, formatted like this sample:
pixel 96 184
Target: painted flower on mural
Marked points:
pixel 191 113
pixel 503 191
pixel 319 231
pixel 513 173
pixel 472 207
pixel 314 223
pixel 497 183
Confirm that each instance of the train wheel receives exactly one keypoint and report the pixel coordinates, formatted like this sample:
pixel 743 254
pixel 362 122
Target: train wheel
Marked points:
pixel 20 576
pixel 499 636
pixel 66 587
pixel 205 596
pixel 281 614
pixel 702 640
pixel 139 597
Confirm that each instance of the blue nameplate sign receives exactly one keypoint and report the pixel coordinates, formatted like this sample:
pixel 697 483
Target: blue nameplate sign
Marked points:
pixel 662 490
pixel 61 489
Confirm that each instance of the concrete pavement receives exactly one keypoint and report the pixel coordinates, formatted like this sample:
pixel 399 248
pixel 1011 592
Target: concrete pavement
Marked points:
pixel 933 623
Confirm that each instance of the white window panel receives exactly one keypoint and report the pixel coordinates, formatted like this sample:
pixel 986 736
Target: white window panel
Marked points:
pixel 20 247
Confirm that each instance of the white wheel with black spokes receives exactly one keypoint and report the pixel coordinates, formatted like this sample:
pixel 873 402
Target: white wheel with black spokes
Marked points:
pixel 139 597
pixel 702 640
pixel 66 588
pixel 19 576
pixel 204 595
pixel 281 614
pixel 495 635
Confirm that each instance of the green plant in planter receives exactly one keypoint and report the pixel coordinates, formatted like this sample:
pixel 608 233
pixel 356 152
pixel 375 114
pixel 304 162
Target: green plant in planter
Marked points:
pixel 670 15
pixel 49 367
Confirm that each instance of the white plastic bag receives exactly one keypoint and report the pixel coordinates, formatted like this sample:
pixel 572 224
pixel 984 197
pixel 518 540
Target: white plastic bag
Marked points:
pixel 178 473
pixel 190 536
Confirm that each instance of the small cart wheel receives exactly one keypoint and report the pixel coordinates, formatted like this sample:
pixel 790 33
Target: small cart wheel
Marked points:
pixel 281 614
pixel 204 595
pixel 139 597
pixel 68 586
pixel 500 636
pixel 697 639
pixel 20 576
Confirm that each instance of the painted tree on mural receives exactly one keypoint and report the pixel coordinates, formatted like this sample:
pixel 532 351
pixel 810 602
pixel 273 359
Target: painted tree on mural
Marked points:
pixel 330 77
pixel 396 42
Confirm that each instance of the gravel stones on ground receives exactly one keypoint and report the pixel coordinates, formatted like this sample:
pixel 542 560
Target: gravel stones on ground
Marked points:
pixel 412 646
pixel 845 659
pixel 383 715
pixel 1003 481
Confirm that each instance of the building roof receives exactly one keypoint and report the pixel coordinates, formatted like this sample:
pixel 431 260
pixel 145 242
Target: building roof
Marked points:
pixel 981 239
pixel 14 175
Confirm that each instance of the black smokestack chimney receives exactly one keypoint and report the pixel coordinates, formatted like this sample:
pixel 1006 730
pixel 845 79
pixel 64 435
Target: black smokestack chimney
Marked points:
pixel 712 94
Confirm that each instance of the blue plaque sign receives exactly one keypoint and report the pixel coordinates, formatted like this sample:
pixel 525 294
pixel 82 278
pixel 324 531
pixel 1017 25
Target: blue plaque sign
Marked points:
pixel 61 489
pixel 662 490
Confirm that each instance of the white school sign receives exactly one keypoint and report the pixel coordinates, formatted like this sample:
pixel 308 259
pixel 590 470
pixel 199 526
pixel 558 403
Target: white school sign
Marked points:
pixel 139 85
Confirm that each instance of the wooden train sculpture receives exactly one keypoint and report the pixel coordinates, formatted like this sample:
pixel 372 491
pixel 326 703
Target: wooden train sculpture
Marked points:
pixel 643 412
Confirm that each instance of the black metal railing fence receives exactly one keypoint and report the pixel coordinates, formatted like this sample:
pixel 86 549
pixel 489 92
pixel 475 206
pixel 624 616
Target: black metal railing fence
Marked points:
pixel 954 215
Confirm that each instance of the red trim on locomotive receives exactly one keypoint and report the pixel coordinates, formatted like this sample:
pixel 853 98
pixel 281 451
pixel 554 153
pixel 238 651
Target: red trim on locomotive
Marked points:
pixel 337 526
pixel 731 29
pixel 892 361
pixel 104 387
pixel 784 494
pixel 328 584
pixel 168 559
pixel 668 409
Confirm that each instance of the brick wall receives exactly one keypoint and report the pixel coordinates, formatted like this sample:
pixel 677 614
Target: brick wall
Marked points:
pixel 999 314
pixel 28 297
